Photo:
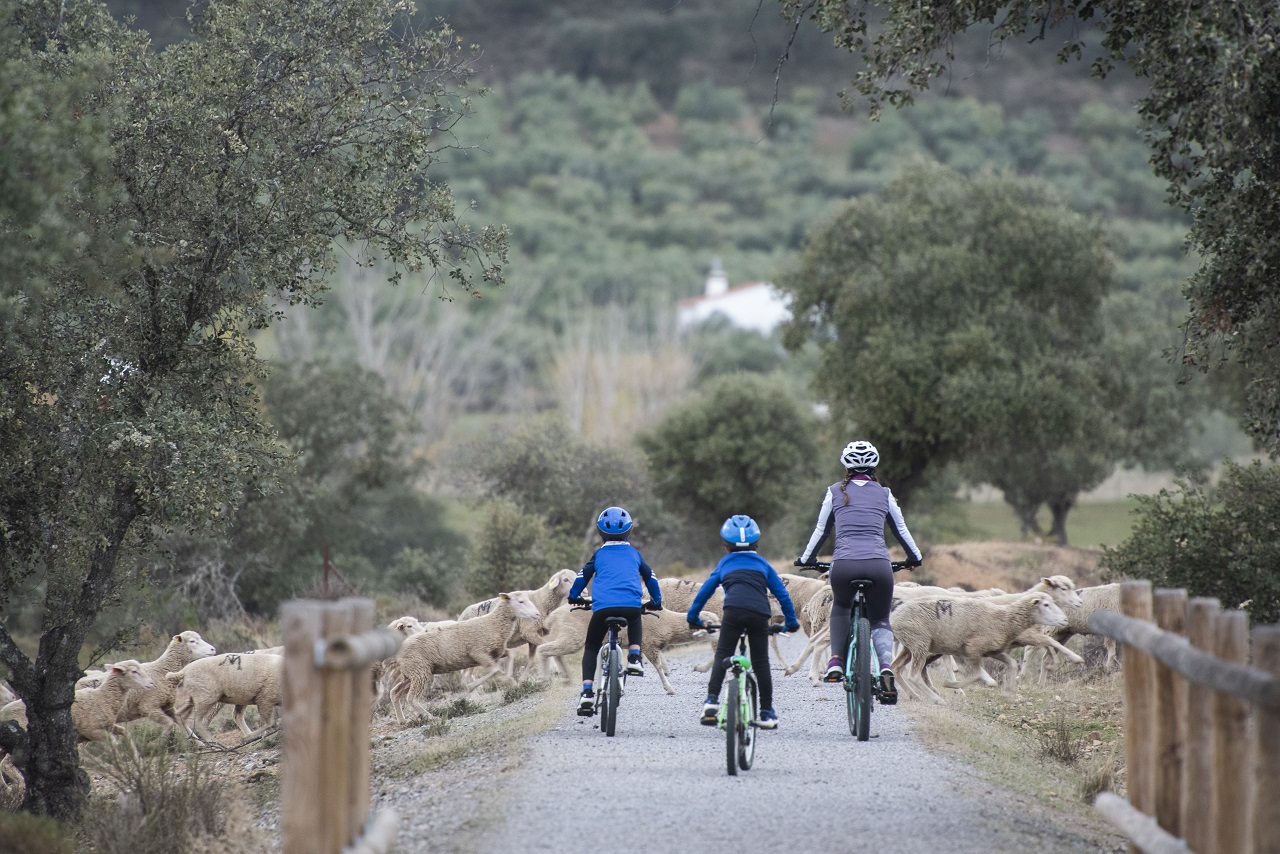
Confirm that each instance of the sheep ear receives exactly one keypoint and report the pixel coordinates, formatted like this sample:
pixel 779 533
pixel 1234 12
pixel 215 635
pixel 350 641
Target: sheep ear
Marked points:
pixel 503 596
pixel 178 638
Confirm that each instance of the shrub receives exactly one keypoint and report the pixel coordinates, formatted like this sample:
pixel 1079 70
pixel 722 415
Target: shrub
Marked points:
pixel 23 833
pixel 1222 542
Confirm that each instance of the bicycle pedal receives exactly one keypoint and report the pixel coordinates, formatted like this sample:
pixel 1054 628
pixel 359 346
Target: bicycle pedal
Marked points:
pixel 889 698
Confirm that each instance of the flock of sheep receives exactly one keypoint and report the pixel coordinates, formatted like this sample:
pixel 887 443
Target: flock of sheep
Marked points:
pixel 527 633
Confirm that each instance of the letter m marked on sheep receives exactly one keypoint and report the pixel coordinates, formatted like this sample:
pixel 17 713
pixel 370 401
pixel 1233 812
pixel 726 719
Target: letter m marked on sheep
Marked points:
pixel 233 659
pixel 942 607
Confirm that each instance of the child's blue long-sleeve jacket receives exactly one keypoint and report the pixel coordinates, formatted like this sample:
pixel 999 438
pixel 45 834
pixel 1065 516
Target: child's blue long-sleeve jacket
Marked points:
pixel 748 579
pixel 618 569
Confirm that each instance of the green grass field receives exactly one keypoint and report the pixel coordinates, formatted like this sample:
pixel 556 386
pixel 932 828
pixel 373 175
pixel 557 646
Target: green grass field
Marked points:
pixel 1088 526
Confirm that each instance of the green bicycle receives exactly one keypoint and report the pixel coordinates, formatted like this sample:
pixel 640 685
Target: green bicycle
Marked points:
pixel 741 708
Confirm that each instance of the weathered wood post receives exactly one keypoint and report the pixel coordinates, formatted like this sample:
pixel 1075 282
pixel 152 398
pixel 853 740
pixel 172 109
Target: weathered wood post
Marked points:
pixel 1139 708
pixel 300 729
pixel 335 770
pixel 1170 608
pixel 1266 815
pixel 1231 766
pixel 328 695
pixel 1197 763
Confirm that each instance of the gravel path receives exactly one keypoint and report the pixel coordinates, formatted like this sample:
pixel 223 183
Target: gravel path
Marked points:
pixel 813 787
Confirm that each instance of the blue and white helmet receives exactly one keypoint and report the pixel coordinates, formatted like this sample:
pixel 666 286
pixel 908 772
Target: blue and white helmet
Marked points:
pixel 613 521
pixel 740 532
pixel 860 456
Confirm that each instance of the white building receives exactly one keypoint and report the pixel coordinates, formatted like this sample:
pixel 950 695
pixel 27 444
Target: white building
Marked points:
pixel 758 306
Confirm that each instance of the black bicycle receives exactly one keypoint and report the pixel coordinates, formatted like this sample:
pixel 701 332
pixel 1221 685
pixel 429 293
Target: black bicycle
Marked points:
pixel 740 711
pixel 610 672
pixel 861 679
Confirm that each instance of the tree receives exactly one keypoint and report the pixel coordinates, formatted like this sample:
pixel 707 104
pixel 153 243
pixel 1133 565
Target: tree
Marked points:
pixel 741 444
pixel 1214 541
pixel 232 161
pixel 959 320
pixel 1210 120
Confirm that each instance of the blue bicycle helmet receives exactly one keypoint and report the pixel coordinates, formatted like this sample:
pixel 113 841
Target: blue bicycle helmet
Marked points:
pixel 740 532
pixel 614 521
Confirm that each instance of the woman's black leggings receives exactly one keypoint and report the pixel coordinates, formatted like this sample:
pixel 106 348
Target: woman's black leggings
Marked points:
pixel 879 602
pixel 595 636
pixel 734 622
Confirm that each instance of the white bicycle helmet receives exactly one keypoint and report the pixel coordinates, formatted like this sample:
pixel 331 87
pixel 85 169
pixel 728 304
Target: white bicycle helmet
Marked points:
pixel 860 456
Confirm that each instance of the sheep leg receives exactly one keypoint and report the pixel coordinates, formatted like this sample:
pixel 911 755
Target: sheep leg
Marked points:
pixel 916 675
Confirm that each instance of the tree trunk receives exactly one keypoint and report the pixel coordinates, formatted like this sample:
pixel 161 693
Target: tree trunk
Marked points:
pixel 1060 507
pixel 49 758
pixel 1026 511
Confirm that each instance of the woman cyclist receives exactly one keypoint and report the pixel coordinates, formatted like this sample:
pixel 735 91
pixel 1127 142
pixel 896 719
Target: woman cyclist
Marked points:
pixel 856 508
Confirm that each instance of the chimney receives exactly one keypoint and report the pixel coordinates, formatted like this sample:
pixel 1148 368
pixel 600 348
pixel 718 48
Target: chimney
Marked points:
pixel 717 281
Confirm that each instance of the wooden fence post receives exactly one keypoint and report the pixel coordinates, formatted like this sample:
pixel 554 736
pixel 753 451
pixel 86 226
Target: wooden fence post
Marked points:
pixel 300 729
pixel 1231 766
pixel 1266 815
pixel 1170 612
pixel 361 712
pixel 335 781
pixel 1197 763
pixel 1139 697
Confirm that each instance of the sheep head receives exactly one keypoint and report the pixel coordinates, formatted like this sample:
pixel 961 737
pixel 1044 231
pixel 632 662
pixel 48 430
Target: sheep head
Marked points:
pixel 1063 590
pixel 560 582
pixel 521 603
pixel 406 625
pixel 1046 612
pixel 197 647
pixel 131 673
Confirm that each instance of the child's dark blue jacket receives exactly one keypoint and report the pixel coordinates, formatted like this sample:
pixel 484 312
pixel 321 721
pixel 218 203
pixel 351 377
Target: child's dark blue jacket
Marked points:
pixel 748 579
pixel 619 570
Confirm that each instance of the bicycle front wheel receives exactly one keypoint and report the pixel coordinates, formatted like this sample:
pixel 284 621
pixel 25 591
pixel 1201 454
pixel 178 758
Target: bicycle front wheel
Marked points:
pixel 613 691
pixel 858 677
pixel 733 712
pixel 750 712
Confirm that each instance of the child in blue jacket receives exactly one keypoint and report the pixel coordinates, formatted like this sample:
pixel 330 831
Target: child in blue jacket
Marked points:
pixel 618 571
pixel 748 579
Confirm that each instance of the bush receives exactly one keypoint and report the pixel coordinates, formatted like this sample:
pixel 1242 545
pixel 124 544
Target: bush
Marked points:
pixel 1222 542
pixel 516 550
pixel 23 833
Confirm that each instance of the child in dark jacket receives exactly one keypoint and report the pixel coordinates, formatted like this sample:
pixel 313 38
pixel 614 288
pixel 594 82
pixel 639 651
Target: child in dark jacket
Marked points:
pixel 617 571
pixel 747 579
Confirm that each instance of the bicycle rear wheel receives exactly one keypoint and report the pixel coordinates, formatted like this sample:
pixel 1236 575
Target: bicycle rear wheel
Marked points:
pixel 858 677
pixel 614 690
pixel 733 712
pixel 747 733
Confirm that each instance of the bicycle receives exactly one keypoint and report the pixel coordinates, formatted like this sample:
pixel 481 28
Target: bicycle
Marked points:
pixel 861 679
pixel 740 710
pixel 610 674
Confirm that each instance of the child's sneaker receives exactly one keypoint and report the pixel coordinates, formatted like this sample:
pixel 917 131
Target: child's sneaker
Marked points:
pixel 634 665
pixel 768 719
pixel 710 712
pixel 835 670
pixel 888 691
pixel 587 705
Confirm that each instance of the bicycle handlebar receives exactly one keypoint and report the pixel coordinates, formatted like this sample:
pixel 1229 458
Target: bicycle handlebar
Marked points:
pixel 774 629
pixel 585 605
pixel 821 566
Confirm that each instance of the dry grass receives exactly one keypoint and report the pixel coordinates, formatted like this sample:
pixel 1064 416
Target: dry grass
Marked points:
pixel 1059 745
pixel 1009 566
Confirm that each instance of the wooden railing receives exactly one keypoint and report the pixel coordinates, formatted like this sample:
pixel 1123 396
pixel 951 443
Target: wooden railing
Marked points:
pixel 1202 726
pixel 330 648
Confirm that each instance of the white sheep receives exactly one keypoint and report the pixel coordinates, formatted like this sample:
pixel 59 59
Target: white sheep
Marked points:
pixel 531 631
pixel 478 642
pixel 567 630
pixel 815 619
pixel 549 595
pixel 6 693
pixel 968 627
pixel 1104 597
pixel 94 710
pixel 156 703
pixel 240 679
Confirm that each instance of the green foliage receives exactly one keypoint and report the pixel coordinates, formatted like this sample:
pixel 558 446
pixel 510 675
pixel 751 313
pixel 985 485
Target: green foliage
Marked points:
pixel 719 347
pixel 1222 541
pixel 236 158
pixel 1211 125
pixel 931 356
pixel 740 445
pixel 515 550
